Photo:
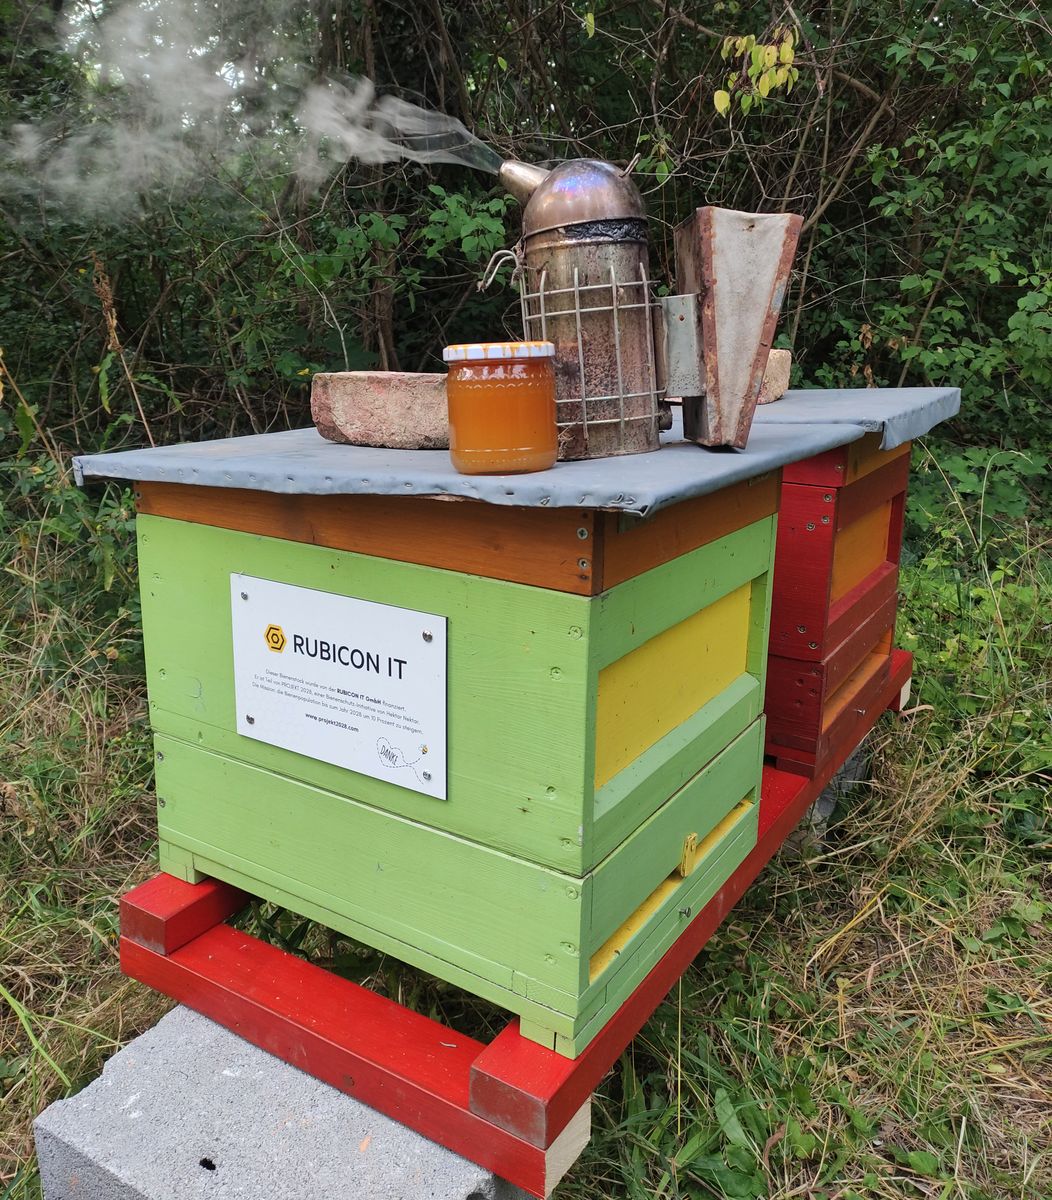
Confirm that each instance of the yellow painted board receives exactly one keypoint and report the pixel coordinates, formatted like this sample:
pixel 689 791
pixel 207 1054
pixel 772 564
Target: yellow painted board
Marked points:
pixel 859 549
pixel 655 688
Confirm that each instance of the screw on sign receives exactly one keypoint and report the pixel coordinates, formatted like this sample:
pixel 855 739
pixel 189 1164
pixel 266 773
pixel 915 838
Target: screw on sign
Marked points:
pixel 274 636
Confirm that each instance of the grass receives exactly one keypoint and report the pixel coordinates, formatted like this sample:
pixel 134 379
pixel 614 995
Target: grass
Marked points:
pixel 873 1021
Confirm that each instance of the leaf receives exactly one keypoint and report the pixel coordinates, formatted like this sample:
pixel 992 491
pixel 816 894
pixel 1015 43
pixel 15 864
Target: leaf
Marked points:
pixel 770 55
pixel 722 101
pixel 589 24
pixel 923 1162
pixel 25 427
pixel 785 53
pixel 502 63
pixel 104 380
pixel 728 1119
pixel 764 84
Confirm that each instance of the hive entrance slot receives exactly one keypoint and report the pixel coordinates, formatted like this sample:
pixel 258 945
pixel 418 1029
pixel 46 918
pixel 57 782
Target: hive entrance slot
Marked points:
pixel 694 855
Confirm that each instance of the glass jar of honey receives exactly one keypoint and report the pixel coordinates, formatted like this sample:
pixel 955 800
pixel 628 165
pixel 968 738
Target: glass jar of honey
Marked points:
pixel 501 398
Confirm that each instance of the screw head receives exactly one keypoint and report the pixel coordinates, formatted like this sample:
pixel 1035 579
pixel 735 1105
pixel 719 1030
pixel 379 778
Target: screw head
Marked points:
pixel 582 533
pixel 160 756
pixel 161 802
pixel 583 563
pixel 427 776
pixel 428 636
pixel 810 524
pixel 251 720
pixel 825 520
pixel 684 912
pixel 244 595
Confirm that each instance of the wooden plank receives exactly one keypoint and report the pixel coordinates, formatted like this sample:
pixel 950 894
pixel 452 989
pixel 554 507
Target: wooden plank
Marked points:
pixel 844 464
pixel 394 1060
pixel 165 913
pixel 652 690
pixel 632 546
pixel 861 497
pixel 857 606
pixel 376 874
pixel 653 852
pixel 802 571
pixel 865 456
pixel 859 550
pixel 798 690
pixel 538 546
pixel 520 1086
pixel 633 613
pixel 663 769
pixel 519 675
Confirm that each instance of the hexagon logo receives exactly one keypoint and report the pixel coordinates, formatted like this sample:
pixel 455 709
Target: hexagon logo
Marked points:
pixel 274 636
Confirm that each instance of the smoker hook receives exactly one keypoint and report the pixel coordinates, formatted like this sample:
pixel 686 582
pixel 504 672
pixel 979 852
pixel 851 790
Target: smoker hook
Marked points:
pixel 499 258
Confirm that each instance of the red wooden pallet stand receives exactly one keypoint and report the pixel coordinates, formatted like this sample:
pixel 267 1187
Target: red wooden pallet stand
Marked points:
pixel 513 1107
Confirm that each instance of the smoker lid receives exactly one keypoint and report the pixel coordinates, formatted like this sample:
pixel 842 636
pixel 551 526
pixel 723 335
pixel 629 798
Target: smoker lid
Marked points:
pixel 583 189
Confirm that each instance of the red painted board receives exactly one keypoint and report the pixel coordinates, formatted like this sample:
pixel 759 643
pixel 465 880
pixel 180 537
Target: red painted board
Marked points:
pixel 165 913
pixel 803 572
pixel 854 608
pixel 798 690
pixel 531 1091
pixel 394 1060
pixel 850 730
pixel 871 491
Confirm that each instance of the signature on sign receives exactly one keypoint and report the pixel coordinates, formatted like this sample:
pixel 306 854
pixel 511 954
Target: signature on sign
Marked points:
pixel 393 756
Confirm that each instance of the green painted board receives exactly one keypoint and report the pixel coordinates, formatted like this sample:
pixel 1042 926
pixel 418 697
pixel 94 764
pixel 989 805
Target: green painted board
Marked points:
pixel 462 910
pixel 523 663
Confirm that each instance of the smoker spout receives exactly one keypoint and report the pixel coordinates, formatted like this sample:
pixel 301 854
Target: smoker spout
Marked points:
pixel 520 179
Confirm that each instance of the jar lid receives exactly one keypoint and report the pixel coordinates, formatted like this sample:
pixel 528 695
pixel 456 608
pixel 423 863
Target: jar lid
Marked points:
pixel 481 351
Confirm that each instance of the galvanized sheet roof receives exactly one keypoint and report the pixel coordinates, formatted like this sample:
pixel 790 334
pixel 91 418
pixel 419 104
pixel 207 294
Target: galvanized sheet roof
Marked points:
pixel 902 413
pixel 301 461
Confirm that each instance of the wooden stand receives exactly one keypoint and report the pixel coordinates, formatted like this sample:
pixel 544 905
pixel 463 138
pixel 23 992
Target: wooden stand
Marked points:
pixel 514 1106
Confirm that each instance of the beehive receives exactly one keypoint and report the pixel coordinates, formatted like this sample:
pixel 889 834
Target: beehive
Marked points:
pixel 605 677
pixel 835 595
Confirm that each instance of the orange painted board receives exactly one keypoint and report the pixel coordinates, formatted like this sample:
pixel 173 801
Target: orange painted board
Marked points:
pixel 859 549
pixel 631 546
pixel 552 548
pixel 583 551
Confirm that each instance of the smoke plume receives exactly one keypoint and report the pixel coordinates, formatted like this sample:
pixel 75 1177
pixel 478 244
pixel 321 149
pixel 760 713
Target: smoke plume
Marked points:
pixel 176 92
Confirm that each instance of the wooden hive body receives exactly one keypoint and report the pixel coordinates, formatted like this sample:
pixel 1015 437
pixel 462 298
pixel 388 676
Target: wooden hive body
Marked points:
pixel 835 596
pixel 605 679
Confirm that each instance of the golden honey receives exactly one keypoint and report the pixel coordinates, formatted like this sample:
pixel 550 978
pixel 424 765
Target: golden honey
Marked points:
pixel 501 409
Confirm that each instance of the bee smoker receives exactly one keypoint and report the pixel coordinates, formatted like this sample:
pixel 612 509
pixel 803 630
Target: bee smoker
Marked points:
pixel 583 270
pixel 584 274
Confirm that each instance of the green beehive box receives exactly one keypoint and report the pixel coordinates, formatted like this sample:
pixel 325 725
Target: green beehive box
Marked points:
pixel 603 743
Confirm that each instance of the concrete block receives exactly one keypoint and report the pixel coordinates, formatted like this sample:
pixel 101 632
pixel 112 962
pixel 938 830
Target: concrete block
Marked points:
pixel 776 376
pixel 401 410
pixel 190 1110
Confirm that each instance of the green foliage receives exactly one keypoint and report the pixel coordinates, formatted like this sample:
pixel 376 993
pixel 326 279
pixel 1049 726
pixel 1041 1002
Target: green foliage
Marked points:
pixel 873 1022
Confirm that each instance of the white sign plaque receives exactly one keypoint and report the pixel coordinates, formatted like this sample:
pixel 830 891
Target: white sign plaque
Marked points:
pixel 350 682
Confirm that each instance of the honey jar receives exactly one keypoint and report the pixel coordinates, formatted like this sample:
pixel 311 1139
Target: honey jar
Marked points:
pixel 501 398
